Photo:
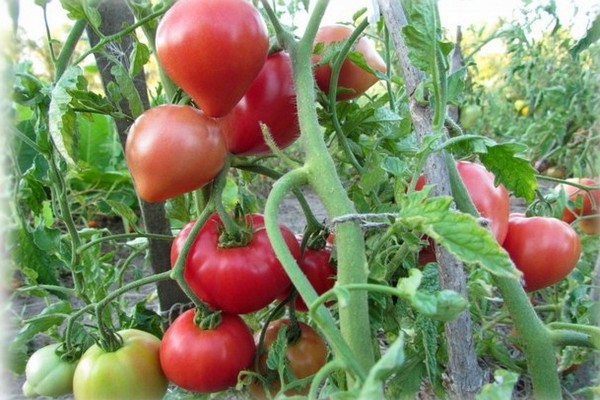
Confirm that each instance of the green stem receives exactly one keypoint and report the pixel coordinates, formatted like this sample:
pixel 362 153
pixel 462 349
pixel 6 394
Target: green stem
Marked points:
pixel 107 39
pixel 333 84
pixel 388 68
pixel 321 375
pixel 119 236
pixel 565 337
pixel 69 46
pixel 111 296
pixel 321 316
pixel 178 269
pixel 218 186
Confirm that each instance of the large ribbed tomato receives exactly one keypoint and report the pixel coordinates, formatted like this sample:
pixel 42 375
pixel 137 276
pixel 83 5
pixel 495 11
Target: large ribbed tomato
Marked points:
pixel 270 100
pixel 544 249
pixel 353 79
pixel 213 49
pixel 172 150
pixel 237 280
pixel 206 360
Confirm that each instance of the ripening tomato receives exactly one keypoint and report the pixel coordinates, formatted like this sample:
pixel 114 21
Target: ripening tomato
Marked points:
pixel 544 249
pixel 353 79
pixel 491 201
pixel 590 204
pixel 206 360
pixel 47 374
pixel 172 149
pixel 304 357
pixel 237 280
pixel 319 271
pixel 271 100
pixel 213 49
pixel 131 372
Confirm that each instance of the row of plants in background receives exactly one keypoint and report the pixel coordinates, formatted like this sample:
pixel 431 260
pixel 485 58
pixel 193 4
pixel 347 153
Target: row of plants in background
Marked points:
pixel 257 309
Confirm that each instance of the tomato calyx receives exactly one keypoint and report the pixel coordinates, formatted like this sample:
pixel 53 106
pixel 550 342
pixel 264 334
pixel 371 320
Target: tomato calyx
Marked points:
pixel 207 319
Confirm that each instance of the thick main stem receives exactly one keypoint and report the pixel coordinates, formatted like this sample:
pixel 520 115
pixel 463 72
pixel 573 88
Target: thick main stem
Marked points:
pixel 322 177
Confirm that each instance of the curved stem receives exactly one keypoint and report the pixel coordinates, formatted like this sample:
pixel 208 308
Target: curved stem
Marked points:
pixel 118 236
pixel 320 376
pixel 333 83
pixel 321 316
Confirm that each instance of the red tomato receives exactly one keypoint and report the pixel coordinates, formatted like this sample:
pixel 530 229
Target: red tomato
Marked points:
pixel 237 280
pixel 351 77
pixel 213 49
pixel 172 150
pixel 206 360
pixel 319 272
pixel 271 99
pixel 491 201
pixel 544 249
pixel 588 207
pixel 305 357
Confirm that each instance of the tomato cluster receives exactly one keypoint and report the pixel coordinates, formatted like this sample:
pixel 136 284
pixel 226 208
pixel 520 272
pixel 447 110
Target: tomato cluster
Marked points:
pixel 216 51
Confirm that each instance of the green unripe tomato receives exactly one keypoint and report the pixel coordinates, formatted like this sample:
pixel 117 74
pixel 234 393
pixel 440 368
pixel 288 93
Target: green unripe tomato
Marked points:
pixel 47 374
pixel 131 372
pixel 469 116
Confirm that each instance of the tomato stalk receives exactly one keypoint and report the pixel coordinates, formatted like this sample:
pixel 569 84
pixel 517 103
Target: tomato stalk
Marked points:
pixel 335 74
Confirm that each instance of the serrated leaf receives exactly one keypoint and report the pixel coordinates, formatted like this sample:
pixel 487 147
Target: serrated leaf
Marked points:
pixel 47 239
pixel 393 165
pixel 422 34
pixel 99 146
pixel 459 233
pixel 514 172
pixel 276 355
pixel 74 9
pixel 27 254
pixel 444 305
pixel 61 117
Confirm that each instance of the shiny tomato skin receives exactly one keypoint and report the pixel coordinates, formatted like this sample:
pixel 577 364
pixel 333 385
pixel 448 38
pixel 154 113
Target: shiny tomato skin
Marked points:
pixel 237 280
pixel 47 374
pixel 173 149
pixel 491 201
pixel 351 75
pixel 588 207
pixel 271 99
pixel 545 249
pixel 319 271
pixel 305 357
pixel 206 360
pixel 213 49
pixel 131 372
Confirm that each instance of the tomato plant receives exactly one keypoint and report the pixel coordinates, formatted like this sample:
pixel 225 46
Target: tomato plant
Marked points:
pixel 130 372
pixel 305 353
pixel 354 79
pixel 270 100
pixel 47 374
pixel 544 249
pixel 238 279
pixel 206 360
pixel 584 204
pixel 172 150
pixel 197 43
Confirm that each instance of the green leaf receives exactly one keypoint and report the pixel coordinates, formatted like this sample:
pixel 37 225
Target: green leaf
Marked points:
pixel 444 305
pixel 47 239
pixel 98 143
pixel 461 234
pixel 128 89
pixel 393 165
pixel 422 35
pixel 62 117
pixel 502 388
pixel 276 356
pixel 123 211
pixel 27 254
pixel 139 57
pixel 388 364
pixel 514 172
